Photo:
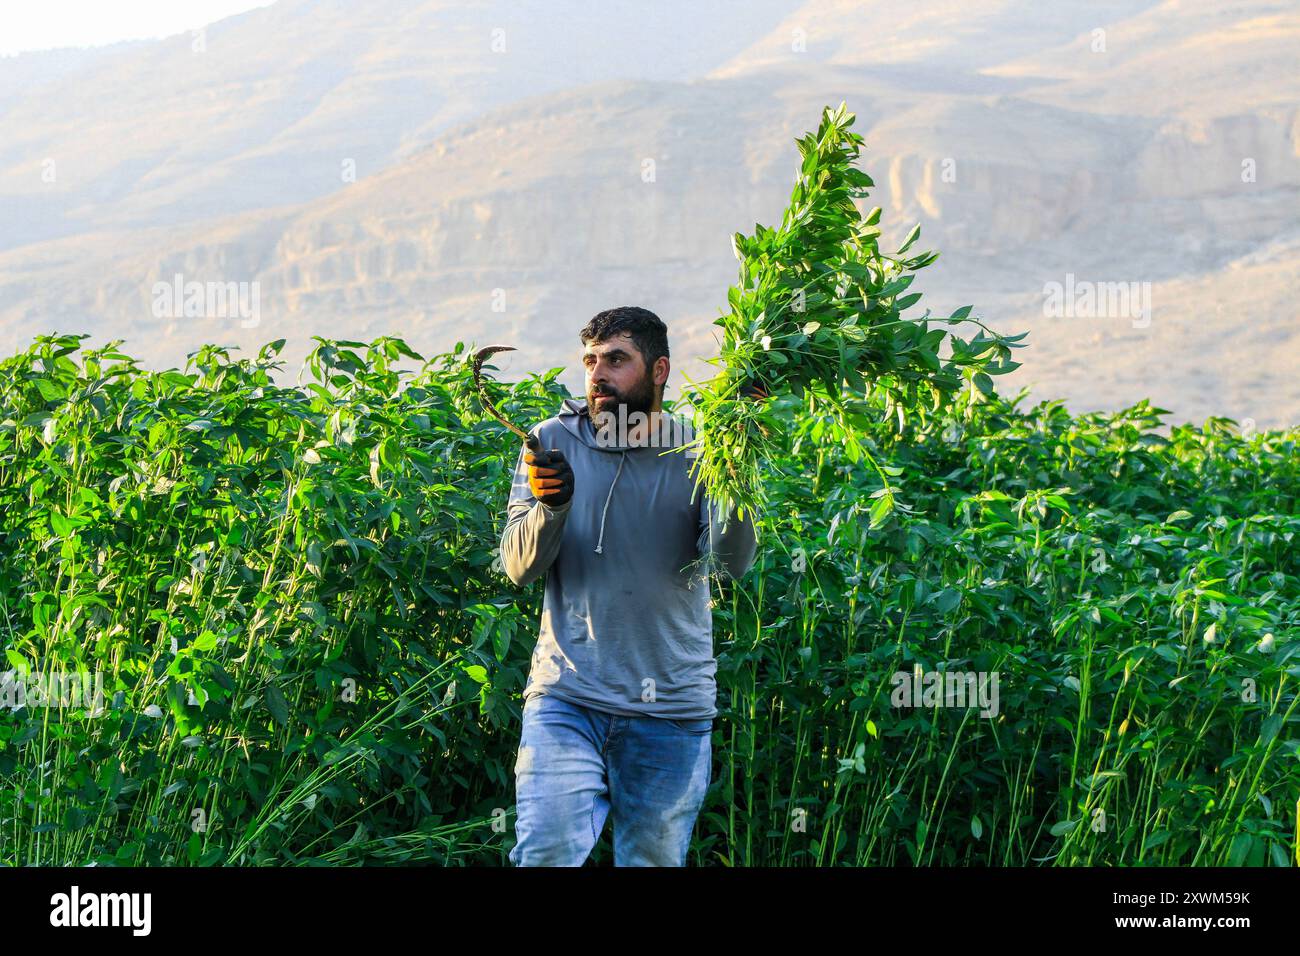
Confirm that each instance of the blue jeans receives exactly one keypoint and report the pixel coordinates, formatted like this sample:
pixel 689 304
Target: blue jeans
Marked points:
pixel 576 766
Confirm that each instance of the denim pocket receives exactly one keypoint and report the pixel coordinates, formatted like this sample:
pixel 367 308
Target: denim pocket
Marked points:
pixel 701 725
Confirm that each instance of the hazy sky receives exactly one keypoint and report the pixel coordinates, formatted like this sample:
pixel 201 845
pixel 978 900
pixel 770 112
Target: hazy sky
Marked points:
pixel 57 23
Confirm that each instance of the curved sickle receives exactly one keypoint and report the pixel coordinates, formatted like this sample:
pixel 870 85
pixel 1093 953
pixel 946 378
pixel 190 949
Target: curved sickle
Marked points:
pixel 476 366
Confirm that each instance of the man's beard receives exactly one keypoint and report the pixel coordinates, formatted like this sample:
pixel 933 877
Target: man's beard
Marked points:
pixel 640 399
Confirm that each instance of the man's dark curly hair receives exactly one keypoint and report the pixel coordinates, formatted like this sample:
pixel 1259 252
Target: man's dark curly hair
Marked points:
pixel 649 334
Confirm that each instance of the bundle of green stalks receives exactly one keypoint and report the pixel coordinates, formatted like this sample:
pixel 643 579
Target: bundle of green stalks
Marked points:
pixel 818 315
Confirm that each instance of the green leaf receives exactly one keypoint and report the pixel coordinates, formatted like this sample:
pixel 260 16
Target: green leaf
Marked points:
pixel 1269 729
pixel 313 561
pixel 1159 838
pixel 911 238
pixel 49 391
pixel 60 525
pixel 881 510
pixel 1242 844
pixel 19 662
pixel 277 705
pixel 1058 502
pixel 945 600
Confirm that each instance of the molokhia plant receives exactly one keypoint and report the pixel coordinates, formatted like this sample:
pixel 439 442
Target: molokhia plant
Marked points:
pixel 818 307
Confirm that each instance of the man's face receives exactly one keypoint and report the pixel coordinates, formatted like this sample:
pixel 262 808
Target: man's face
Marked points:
pixel 617 374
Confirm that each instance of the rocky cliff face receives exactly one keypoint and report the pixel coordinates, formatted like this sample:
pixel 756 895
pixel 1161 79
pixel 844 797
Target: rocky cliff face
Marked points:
pixel 510 195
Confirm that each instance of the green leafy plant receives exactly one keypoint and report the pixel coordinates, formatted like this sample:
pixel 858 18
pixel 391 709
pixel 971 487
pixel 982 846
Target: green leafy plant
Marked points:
pixel 818 313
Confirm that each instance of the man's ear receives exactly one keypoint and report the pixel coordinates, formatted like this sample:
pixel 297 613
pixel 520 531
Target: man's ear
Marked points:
pixel 661 370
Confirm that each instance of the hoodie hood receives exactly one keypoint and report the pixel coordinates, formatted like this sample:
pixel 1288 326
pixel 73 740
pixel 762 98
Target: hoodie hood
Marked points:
pixel 575 416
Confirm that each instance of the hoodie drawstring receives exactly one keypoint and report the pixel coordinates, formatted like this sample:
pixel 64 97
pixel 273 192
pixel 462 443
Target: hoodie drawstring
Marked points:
pixel 601 542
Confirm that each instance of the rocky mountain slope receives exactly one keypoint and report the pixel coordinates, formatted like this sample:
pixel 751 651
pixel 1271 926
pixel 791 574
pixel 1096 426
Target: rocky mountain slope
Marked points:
pixel 601 158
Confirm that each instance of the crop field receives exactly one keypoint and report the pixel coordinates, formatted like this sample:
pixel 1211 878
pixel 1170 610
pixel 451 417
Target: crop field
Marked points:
pixel 285 638
pixel 308 656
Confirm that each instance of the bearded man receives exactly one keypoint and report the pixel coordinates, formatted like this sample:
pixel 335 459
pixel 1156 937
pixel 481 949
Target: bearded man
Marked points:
pixel 620 700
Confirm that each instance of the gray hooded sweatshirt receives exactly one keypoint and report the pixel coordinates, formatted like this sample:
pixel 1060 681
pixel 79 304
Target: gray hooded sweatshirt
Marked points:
pixel 626 622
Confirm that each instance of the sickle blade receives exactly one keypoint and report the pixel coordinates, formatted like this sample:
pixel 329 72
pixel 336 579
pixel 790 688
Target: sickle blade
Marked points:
pixel 481 356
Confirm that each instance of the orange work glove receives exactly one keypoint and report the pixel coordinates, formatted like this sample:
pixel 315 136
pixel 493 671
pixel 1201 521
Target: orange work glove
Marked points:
pixel 550 478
